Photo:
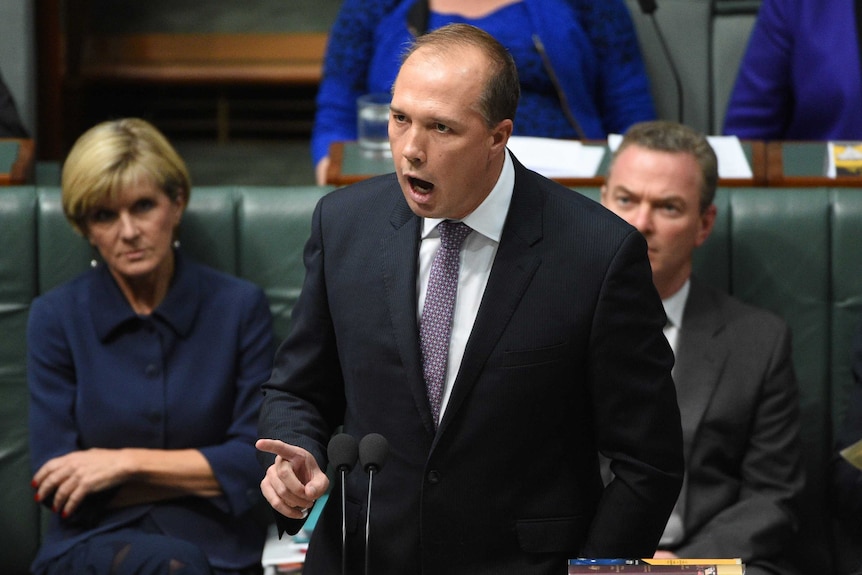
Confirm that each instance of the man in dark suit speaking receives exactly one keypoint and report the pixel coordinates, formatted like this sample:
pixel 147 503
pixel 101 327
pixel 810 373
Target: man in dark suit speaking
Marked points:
pixel 498 329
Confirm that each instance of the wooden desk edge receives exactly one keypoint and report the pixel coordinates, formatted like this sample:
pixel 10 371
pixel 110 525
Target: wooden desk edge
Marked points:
pixel 759 163
pixel 333 172
pixel 774 164
pixel 289 58
pixel 335 176
pixel 776 178
pixel 22 167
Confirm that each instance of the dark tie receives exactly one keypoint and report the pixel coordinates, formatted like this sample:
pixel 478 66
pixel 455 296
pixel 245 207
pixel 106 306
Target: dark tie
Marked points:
pixel 436 323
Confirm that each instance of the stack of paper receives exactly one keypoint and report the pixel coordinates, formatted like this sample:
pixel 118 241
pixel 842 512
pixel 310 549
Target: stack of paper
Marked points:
pixel 732 163
pixel 557 158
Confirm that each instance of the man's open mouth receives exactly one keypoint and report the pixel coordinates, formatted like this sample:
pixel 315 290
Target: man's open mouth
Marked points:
pixel 421 186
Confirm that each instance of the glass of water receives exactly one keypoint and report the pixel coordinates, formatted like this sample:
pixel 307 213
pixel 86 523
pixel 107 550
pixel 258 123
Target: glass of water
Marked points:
pixel 373 123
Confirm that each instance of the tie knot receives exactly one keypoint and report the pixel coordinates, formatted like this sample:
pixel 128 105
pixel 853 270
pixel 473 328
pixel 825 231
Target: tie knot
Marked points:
pixel 452 234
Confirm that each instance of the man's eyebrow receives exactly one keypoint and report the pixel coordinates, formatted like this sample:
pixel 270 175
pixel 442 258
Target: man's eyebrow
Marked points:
pixel 620 188
pixel 435 118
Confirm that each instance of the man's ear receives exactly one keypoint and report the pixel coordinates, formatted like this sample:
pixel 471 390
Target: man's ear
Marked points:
pixel 707 222
pixel 501 134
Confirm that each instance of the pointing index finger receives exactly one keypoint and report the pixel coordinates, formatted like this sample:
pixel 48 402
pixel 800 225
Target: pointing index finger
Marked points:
pixel 275 447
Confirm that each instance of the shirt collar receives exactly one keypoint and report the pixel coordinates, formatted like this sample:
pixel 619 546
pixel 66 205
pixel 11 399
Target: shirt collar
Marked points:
pixel 674 306
pixel 490 216
pixel 111 310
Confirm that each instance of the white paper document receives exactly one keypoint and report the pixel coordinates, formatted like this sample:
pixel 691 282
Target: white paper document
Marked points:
pixel 282 551
pixel 557 158
pixel 732 163
pixel 290 550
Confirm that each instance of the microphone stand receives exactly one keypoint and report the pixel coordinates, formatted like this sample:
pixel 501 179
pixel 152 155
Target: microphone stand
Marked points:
pixel 371 469
pixel 676 79
pixel 343 453
pixel 343 520
pixel 373 450
pixel 648 7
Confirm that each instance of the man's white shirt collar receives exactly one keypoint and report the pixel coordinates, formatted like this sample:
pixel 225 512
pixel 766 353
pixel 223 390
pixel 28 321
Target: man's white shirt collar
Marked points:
pixel 674 306
pixel 490 216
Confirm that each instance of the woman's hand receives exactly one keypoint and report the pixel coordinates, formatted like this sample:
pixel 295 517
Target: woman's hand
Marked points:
pixel 71 477
pixel 146 475
pixel 320 171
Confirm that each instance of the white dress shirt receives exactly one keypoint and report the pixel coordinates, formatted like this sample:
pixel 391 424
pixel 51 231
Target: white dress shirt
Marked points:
pixel 674 307
pixel 477 257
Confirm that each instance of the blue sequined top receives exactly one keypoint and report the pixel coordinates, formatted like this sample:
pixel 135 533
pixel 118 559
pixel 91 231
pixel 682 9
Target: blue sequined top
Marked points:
pixel 592 48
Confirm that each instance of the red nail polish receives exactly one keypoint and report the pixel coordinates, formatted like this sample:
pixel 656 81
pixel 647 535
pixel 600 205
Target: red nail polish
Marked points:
pixel 36 498
pixel 65 515
pixel 33 484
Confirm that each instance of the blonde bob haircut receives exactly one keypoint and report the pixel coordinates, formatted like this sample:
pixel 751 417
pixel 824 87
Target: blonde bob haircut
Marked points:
pixel 112 156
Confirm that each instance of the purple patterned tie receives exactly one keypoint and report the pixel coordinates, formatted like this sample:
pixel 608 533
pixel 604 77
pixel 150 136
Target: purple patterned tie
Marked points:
pixel 436 323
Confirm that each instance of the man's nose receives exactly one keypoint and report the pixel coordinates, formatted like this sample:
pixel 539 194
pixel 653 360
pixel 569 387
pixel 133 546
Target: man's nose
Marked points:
pixel 414 147
pixel 643 219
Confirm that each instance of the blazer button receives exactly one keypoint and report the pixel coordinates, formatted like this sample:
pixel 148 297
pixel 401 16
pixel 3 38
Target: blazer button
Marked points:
pixel 433 477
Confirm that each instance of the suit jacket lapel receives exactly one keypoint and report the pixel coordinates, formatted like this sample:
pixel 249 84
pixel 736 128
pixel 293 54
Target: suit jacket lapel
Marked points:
pixel 700 358
pixel 514 266
pixel 399 250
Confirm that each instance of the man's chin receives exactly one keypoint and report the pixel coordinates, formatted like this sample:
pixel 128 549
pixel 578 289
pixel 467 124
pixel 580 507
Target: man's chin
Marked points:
pixel 422 211
pixel 421 204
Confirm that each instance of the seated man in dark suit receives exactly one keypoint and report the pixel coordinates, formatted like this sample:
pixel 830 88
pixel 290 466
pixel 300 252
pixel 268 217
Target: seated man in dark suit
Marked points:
pixel 735 382
pixel 846 476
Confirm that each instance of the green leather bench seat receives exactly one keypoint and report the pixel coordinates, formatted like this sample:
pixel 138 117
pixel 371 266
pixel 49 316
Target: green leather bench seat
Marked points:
pixel 797 252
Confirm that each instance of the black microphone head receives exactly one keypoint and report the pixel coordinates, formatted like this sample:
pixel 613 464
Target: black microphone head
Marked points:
pixel 343 452
pixel 648 6
pixel 373 449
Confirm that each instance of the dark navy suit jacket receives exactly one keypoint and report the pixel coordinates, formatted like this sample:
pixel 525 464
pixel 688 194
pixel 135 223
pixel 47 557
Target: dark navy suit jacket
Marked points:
pixel 187 376
pixel 566 358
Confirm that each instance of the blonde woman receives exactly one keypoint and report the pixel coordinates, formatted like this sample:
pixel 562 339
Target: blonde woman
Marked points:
pixel 144 377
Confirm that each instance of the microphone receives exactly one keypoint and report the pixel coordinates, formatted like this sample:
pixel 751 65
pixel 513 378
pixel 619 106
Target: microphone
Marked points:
pixel 648 7
pixel 373 449
pixel 343 453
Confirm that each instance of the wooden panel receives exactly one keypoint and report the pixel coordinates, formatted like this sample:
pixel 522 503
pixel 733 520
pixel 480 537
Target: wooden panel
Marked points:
pixel 206 58
pixel 342 173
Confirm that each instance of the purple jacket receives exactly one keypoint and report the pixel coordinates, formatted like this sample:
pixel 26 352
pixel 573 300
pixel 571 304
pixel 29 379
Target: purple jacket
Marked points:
pixel 800 77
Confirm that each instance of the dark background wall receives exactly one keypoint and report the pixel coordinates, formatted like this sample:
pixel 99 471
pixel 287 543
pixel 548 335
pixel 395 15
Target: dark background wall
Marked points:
pixel 230 132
